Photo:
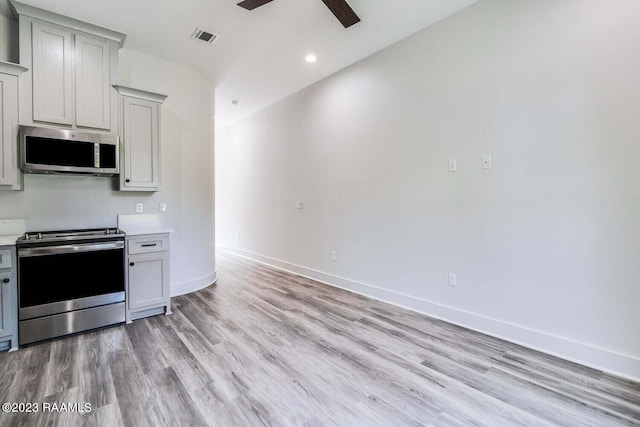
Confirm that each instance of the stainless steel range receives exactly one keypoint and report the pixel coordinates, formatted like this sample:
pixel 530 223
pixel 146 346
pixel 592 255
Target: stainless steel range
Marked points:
pixel 69 281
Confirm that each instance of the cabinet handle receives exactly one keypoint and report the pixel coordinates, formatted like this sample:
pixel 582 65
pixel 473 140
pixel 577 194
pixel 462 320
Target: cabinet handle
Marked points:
pixel 131 264
pixel 149 245
pixel 127 180
pixel 5 280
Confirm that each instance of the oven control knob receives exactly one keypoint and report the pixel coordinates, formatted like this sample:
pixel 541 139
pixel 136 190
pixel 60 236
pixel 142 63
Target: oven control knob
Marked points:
pixel 107 231
pixel 39 236
pixel 5 280
pixel 26 236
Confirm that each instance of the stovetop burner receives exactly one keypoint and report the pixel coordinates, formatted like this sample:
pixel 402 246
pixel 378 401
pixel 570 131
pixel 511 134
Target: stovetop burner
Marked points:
pixel 68 235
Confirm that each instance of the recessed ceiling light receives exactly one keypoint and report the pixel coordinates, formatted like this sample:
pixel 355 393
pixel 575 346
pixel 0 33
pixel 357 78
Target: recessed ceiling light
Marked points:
pixel 311 58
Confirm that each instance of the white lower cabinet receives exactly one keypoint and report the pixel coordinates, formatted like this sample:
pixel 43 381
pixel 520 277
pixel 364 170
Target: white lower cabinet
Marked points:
pixel 8 299
pixel 148 290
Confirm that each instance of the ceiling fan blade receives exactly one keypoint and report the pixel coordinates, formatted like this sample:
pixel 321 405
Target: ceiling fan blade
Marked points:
pixel 343 12
pixel 252 4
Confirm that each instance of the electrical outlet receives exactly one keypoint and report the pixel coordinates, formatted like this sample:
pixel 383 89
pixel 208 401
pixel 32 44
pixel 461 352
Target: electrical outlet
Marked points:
pixel 299 205
pixel 139 207
pixel 163 207
pixel 486 161
pixel 334 255
pixel 453 165
pixel 453 279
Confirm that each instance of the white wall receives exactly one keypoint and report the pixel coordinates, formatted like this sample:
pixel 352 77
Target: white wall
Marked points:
pixel 546 245
pixel 186 179
pixel 187 159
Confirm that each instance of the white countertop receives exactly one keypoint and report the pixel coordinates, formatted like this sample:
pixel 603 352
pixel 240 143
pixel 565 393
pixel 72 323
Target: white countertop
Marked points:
pixel 8 240
pixel 10 230
pixel 142 231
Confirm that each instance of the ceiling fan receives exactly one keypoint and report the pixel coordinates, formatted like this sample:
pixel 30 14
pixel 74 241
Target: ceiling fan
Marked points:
pixel 340 9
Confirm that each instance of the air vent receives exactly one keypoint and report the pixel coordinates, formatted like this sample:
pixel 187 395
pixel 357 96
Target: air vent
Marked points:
pixel 205 36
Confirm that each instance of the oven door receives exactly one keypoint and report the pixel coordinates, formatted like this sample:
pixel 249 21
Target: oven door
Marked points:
pixel 62 278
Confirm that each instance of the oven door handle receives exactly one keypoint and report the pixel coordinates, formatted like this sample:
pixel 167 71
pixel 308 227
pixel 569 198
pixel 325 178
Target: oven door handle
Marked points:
pixel 69 249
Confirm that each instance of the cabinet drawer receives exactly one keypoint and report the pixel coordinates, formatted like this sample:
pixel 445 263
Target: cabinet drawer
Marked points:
pixel 146 244
pixel 5 258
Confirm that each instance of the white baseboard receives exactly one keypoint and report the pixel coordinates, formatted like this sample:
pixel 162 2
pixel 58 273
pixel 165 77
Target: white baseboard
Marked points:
pixel 194 285
pixel 618 364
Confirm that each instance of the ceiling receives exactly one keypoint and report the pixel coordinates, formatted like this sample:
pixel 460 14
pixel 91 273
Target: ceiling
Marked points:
pixel 259 58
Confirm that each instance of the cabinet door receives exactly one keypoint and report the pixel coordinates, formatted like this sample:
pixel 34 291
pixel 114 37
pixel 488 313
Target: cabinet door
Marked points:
pixel 140 140
pixel 92 83
pixel 148 280
pixel 52 74
pixel 8 124
pixel 6 327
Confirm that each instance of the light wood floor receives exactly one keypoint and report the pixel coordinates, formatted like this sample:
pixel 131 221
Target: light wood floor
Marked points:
pixel 267 348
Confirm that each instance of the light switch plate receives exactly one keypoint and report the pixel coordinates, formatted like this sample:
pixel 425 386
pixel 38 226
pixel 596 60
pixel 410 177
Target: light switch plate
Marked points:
pixel 299 204
pixel 453 165
pixel 163 207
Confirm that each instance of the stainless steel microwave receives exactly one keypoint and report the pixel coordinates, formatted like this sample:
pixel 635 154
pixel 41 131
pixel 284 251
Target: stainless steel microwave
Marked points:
pixel 47 150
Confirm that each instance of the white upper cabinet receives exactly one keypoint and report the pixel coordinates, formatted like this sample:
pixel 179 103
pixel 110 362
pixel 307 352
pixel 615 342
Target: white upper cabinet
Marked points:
pixel 52 74
pixel 93 83
pixel 6 131
pixel 140 139
pixel 72 68
pixel 140 131
pixel 10 178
